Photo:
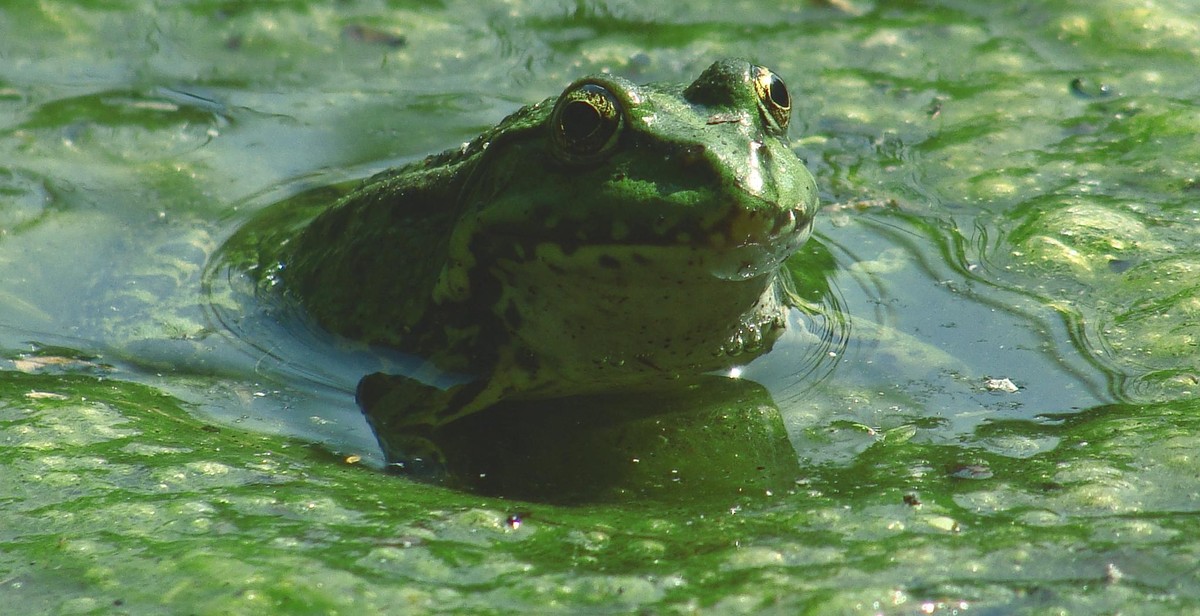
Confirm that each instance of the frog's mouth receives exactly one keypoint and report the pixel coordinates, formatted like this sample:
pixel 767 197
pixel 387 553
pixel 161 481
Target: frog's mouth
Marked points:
pixel 751 243
pixel 742 245
pixel 738 244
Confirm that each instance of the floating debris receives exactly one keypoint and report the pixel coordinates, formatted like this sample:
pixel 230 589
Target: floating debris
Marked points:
pixel 56 364
pixel 1120 266
pixel 972 471
pixel 1088 89
pixel 1004 385
pixel 944 523
pixel 368 34
pixel 516 519
pixel 44 395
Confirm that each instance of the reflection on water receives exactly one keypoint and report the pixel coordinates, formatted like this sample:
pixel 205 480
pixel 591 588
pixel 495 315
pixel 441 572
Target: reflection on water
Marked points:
pixel 926 331
pixel 700 439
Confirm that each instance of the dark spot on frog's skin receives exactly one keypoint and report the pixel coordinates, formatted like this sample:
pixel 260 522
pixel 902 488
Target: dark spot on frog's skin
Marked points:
pixel 640 259
pixel 609 262
pixel 512 316
pixel 335 226
pixel 527 361
pixel 645 360
pixel 462 395
pixel 353 330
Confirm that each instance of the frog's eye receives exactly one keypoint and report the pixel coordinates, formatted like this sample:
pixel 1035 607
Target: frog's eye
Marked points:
pixel 585 122
pixel 774 101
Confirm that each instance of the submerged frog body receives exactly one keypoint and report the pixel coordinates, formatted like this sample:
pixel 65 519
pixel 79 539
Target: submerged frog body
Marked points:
pixel 614 237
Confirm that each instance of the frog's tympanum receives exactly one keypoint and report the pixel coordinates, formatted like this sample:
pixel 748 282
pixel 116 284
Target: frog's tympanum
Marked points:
pixel 612 238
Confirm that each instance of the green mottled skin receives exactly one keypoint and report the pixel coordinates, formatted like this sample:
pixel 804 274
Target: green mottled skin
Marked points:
pixel 540 273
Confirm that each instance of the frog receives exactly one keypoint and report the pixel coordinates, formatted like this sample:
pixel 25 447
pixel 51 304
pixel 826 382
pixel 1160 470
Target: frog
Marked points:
pixel 614 237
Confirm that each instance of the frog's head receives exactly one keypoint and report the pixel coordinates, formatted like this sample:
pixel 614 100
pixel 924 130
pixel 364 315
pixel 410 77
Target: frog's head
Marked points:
pixel 617 198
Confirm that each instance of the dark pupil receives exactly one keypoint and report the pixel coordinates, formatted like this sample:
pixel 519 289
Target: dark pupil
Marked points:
pixel 779 93
pixel 580 120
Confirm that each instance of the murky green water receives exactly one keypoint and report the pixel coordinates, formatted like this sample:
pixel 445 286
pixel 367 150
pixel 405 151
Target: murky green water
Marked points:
pixel 1013 192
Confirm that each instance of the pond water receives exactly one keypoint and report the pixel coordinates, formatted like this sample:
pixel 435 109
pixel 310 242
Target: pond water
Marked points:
pixel 992 408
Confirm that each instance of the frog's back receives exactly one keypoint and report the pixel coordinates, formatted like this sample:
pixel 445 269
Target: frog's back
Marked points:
pixel 401 222
pixel 391 236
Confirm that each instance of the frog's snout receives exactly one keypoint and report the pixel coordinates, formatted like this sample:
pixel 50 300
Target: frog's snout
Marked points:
pixel 766 227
